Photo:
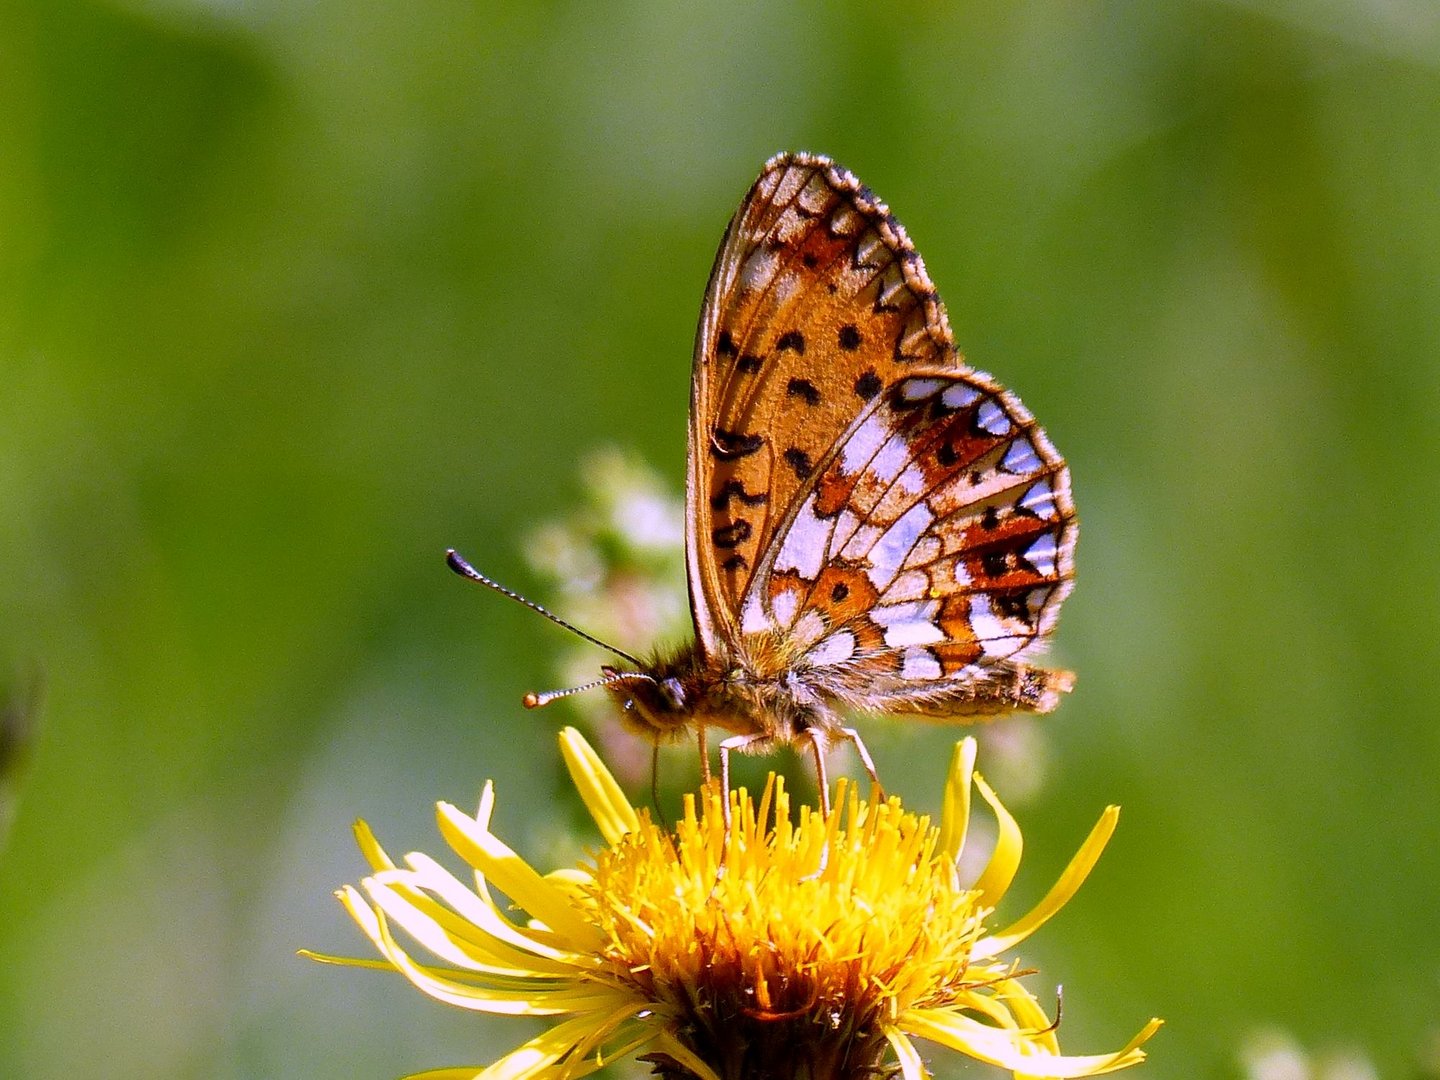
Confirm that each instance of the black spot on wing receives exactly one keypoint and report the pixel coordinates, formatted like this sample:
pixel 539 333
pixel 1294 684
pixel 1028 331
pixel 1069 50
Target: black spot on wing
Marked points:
pixel 734 489
pixel 994 563
pixel 868 385
pixel 792 340
pixel 729 445
pixel 849 337
pixel 1013 605
pixel 803 388
pixel 732 535
pixel 800 461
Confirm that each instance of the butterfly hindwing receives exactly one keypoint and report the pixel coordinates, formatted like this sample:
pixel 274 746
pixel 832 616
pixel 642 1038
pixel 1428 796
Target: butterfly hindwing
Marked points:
pixel 818 302
pixel 930 555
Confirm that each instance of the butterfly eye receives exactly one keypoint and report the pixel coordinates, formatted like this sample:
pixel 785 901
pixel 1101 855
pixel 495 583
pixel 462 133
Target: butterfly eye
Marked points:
pixel 629 705
pixel 673 693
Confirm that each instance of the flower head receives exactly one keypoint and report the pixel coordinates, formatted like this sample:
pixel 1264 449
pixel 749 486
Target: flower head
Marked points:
pixel 780 945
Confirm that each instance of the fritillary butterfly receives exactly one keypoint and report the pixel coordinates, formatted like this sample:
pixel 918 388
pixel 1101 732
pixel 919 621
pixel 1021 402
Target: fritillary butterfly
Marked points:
pixel 872 525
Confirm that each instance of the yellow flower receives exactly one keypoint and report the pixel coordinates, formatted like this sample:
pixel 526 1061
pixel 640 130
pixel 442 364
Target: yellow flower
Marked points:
pixel 816 947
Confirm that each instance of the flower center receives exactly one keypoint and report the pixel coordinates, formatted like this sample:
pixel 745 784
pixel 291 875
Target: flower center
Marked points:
pixel 778 939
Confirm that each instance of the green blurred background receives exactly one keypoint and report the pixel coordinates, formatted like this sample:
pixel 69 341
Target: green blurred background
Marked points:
pixel 295 295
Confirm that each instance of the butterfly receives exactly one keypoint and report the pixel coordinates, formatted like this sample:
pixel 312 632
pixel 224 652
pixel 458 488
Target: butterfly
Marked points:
pixel 872 525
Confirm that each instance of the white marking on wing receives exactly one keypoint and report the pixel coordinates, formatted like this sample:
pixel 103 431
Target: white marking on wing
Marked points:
pixel 1040 499
pixel 958 396
pixel 785 605
pixel 912 481
pixel 759 268
pixel 805 543
pixel 1036 599
pixel 926 551
pixel 845 525
pixel 919 389
pixel 920 665
pixel 992 418
pixel 845 221
pixel 913 633
pixel 790 182
pixel 890 460
pixel 835 649
pixel 891 282
pixel 786 286
pixel 906 612
pixel 863 542
pixel 869 245
pixel 753 619
pixel 911 585
pixel 809 628
pixel 862 444
pixel 816 196
pixel 996 638
pixel 1021 458
pixel 889 552
pixel 1041 555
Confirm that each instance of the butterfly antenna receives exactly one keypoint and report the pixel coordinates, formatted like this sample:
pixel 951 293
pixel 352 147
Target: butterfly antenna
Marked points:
pixel 464 569
pixel 537 701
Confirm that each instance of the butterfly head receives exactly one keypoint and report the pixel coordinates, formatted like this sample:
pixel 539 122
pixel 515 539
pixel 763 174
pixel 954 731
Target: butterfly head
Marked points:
pixel 651 703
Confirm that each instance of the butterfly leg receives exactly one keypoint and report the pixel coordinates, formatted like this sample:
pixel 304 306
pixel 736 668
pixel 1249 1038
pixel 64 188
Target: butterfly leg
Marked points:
pixel 819 745
pixel 865 759
pixel 735 742
pixel 704 755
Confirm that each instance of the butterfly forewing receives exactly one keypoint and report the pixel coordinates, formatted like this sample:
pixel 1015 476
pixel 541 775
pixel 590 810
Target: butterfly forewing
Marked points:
pixel 817 303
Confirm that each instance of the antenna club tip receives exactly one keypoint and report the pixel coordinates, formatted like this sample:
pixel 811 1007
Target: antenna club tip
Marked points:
pixel 531 701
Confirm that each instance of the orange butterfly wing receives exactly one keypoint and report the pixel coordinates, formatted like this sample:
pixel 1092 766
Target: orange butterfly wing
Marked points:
pixel 886 524
pixel 816 303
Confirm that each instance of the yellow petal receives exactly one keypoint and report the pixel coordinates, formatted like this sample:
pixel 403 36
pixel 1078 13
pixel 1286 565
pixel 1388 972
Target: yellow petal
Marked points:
pixel 361 912
pixel 572 1042
pixel 667 1043
pixel 911 1067
pixel 1005 859
pixel 345 961
pixel 464 1073
pixel 541 1052
pixel 540 997
pixel 1060 893
pixel 603 797
pixel 460 943
pixel 955 808
pixel 494 929
pixel 518 880
pixel 1014 1050
pixel 590 1054
pixel 1130 1054
pixel 1028 1014
pixel 370 847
